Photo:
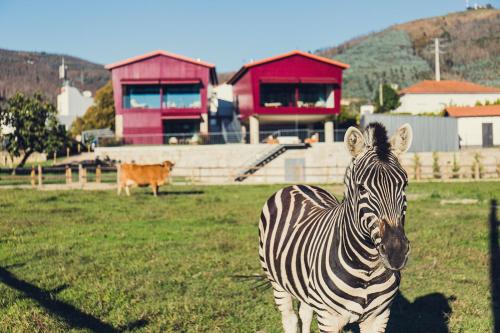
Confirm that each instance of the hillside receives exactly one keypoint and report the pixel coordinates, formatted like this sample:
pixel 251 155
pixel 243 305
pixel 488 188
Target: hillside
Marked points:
pixel 39 71
pixel 404 54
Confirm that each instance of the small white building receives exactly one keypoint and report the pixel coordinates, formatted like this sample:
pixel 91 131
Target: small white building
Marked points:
pixel 71 104
pixel 434 96
pixel 477 125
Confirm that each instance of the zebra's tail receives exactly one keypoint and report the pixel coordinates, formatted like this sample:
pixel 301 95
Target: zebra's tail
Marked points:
pixel 258 281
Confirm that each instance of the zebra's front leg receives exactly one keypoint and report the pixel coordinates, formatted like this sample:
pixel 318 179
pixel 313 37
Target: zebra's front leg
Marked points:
pixel 331 322
pixel 306 315
pixel 375 324
pixel 284 302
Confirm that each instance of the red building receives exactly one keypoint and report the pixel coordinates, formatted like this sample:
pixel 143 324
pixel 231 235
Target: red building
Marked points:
pixel 293 90
pixel 159 95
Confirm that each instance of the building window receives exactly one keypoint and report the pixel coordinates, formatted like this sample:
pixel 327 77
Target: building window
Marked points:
pixel 315 96
pixel 141 97
pixel 277 95
pixel 302 95
pixel 183 96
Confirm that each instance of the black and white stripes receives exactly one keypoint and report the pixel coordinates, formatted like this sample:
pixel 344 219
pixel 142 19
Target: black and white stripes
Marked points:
pixel 341 260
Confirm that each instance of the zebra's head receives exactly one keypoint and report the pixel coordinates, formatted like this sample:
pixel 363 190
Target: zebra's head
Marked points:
pixel 375 184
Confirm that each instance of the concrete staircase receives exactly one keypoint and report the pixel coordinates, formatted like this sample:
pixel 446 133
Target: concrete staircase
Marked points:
pixel 266 158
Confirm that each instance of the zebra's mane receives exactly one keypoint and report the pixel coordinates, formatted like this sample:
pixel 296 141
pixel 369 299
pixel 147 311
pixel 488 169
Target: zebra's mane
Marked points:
pixel 377 135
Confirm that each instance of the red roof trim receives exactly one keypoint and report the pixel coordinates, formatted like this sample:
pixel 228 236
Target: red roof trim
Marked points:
pixel 448 87
pixel 279 79
pixel 245 67
pixel 473 111
pixel 181 117
pixel 161 81
pixel 157 53
pixel 320 80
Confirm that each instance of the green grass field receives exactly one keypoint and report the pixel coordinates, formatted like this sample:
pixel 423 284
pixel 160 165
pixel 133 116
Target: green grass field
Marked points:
pixel 91 261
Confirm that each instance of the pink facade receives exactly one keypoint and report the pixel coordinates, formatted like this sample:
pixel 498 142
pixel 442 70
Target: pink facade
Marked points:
pixel 288 69
pixel 140 123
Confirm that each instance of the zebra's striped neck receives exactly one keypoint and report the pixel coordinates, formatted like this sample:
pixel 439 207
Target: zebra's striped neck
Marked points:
pixel 351 225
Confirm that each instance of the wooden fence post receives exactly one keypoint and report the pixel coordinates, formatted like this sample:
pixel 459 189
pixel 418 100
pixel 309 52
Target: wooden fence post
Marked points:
pixel 82 175
pixel 98 174
pixel 55 158
pixel 476 170
pixel 69 177
pixel 33 176
pixel 40 176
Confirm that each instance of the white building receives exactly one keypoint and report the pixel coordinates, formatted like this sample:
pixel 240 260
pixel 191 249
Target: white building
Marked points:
pixel 71 104
pixel 477 125
pixel 434 96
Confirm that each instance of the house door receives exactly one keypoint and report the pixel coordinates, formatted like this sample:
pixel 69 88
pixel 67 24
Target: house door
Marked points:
pixel 487 135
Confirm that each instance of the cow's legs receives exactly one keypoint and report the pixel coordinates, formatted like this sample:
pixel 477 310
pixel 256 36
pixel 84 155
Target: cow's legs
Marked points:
pixel 120 186
pixel 284 302
pixel 306 315
pixel 375 324
pixel 127 190
pixel 155 189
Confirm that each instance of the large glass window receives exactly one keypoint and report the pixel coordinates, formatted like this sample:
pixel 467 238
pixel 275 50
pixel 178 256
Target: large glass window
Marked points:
pixel 277 95
pixel 309 95
pixel 315 95
pixel 181 96
pixel 142 97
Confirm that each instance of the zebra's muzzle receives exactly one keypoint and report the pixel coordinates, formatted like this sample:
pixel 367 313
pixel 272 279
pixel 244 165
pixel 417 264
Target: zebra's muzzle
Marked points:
pixel 394 247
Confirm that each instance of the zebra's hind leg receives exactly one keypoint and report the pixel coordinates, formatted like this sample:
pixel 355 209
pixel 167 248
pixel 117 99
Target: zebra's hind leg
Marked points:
pixel 375 324
pixel 306 315
pixel 284 302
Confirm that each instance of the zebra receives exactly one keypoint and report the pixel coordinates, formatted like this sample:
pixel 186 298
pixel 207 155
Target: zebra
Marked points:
pixel 341 260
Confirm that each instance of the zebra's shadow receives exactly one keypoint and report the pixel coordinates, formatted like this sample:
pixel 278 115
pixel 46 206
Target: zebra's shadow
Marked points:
pixel 428 313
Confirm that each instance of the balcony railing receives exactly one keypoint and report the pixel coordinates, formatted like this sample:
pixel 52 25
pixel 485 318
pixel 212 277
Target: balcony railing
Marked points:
pixel 269 137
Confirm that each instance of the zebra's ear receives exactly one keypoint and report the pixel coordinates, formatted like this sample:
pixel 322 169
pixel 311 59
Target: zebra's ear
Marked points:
pixel 354 141
pixel 401 140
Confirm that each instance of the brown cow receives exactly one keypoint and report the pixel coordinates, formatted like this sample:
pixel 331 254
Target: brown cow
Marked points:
pixel 153 175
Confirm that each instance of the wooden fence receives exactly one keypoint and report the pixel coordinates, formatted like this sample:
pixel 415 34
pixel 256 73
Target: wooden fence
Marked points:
pixel 80 175
pixel 38 176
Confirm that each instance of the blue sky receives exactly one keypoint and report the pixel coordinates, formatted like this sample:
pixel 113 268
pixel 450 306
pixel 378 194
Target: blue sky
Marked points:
pixel 227 33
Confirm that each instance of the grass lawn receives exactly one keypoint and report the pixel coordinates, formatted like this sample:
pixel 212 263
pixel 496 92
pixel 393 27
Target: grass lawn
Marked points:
pixel 92 261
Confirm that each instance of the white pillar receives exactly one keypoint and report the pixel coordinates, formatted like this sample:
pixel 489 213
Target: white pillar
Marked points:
pixel 254 130
pixel 204 123
pixel 243 134
pixel 119 125
pixel 329 131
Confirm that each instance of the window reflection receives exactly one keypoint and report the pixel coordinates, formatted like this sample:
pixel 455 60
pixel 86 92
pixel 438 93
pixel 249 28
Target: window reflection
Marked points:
pixel 181 96
pixel 142 97
pixel 302 95
pixel 276 95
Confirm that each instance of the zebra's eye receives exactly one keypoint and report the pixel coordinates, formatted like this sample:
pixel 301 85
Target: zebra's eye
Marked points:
pixel 362 190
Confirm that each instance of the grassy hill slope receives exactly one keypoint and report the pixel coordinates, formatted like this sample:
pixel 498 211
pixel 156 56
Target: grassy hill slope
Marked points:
pixel 404 53
pixel 39 71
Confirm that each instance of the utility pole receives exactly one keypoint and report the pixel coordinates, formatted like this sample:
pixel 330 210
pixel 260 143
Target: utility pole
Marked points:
pixel 381 94
pixel 436 56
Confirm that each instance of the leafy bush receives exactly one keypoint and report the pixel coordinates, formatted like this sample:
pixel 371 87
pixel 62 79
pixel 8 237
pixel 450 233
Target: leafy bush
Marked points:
pixel 436 169
pixel 455 169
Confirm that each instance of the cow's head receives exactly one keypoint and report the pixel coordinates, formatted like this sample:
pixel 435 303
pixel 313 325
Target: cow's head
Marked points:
pixel 168 165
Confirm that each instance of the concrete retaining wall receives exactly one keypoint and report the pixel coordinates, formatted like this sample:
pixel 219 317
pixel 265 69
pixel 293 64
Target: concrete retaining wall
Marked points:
pixel 323 162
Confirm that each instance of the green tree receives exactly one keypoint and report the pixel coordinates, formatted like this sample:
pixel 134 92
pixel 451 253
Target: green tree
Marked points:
pixel 390 99
pixel 32 126
pixel 99 115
